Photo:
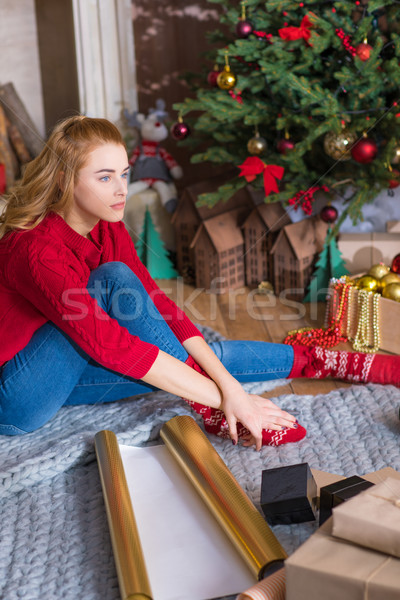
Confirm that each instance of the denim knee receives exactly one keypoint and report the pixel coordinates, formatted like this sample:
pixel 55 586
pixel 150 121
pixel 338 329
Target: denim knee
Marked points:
pixel 19 421
pixel 123 296
pixel 114 285
pixel 115 270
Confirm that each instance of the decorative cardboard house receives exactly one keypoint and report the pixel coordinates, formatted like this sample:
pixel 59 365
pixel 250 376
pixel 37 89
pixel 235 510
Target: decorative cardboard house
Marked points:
pixel 260 230
pixel 294 253
pixel 218 249
pixel 244 241
pixel 188 217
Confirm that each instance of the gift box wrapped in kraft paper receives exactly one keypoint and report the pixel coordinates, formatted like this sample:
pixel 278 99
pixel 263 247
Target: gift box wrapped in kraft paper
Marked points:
pixel 328 568
pixel 361 250
pixel 372 518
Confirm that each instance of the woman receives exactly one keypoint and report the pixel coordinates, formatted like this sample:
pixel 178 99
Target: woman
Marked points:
pixel 83 322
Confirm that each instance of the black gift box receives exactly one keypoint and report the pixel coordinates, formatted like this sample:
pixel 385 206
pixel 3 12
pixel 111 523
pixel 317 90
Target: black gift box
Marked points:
pixel 336 493
pixel 288 494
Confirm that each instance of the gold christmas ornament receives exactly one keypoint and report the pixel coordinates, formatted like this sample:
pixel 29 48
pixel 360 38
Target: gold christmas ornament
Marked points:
pixel 392 292
pixel 379 270
pixel 338 145
pixel 226 80
pixel 257 144
pixel 387 280
pixel 396 156
pixel 369 283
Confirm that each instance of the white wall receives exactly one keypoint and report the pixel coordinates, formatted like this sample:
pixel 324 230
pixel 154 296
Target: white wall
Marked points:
pixel 19 56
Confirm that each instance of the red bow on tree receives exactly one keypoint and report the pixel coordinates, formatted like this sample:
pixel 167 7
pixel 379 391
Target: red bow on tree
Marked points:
pixel 296 33
pixel 254 166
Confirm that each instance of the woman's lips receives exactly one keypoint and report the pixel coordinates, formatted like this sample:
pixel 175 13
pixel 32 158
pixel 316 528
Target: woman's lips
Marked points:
pixel 118 206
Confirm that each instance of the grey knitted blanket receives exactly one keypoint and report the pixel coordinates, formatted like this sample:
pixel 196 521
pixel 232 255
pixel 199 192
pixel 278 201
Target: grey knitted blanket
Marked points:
pixel 54 539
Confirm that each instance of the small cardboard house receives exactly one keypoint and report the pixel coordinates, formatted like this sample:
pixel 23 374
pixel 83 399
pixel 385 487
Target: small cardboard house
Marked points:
pixel 244 241
pixel 260 231
pixel 294 253
pixel 188 217
pixel 218 249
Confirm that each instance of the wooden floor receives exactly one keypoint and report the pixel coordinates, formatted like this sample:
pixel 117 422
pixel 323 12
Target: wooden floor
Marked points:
pixel 247 314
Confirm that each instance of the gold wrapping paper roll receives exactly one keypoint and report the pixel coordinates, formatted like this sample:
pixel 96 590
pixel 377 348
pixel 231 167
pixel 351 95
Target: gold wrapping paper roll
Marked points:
pixel 226 500
pixel 131 569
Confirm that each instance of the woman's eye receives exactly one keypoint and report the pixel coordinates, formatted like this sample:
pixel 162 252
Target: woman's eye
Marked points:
pixel 125 175
pixel 105 178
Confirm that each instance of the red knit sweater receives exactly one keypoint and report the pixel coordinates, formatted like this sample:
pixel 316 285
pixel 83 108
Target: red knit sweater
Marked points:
pixel 43 277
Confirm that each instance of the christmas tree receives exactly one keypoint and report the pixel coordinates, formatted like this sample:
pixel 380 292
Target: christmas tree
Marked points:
pixel 304 97
pixel 152 253
pixel 329 264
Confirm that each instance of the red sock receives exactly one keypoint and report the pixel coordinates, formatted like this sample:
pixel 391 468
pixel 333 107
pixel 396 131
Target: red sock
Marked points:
pixel 215 422
pixel 318 363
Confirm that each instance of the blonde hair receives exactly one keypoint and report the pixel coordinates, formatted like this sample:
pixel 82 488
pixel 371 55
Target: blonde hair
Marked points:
pixel 65 153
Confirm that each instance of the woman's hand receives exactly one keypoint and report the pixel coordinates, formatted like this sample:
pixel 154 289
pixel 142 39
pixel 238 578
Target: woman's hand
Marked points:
pixel 254 412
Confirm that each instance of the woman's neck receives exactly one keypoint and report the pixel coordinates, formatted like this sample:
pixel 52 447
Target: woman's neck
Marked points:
pixel 80 226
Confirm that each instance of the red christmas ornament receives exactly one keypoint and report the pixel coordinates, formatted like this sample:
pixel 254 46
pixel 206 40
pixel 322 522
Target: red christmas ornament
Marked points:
pixel 395 182
pixel 213 76
pixel 363 51
pixel 285 145
pixel 365 150
pixel 180 130
pixel 244 28
pixel 396 264
pixel 329 214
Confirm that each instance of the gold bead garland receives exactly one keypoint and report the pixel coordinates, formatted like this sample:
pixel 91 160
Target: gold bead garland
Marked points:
pixel 363 335
pixel 350 304
pixel 340 314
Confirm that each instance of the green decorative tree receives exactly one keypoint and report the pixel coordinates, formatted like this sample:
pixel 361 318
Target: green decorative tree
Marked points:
pixel 329 264
pixel 311 87
pixel 152 252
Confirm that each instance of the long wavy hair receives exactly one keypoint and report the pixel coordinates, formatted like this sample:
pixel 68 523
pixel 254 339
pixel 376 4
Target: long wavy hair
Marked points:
pixel 64 154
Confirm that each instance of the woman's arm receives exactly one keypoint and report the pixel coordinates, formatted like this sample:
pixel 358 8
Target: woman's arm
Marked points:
pixel 198 348
pixel 172 375
pixel 221 391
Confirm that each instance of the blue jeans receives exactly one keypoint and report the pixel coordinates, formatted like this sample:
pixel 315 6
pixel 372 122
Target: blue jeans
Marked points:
pixel 53 371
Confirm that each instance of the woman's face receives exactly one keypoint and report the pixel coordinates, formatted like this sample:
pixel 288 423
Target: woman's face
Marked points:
pixel 100 189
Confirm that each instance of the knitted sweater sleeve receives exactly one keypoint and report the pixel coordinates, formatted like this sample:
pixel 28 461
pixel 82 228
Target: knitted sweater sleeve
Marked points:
pixel 125 251
pixel 51 280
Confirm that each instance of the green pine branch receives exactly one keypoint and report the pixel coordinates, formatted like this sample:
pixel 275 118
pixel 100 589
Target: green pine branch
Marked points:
pixel 305 90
